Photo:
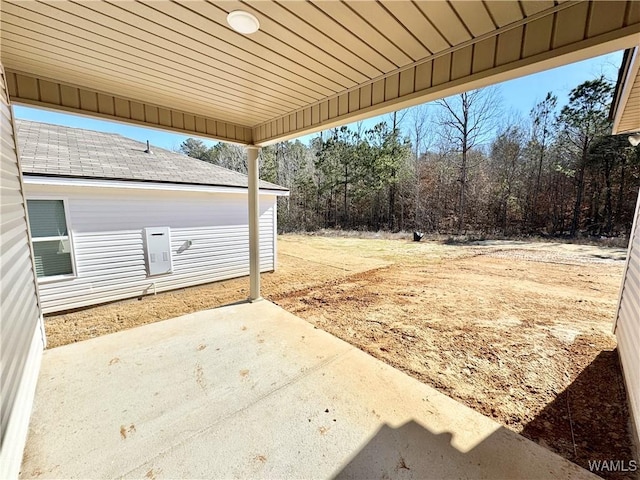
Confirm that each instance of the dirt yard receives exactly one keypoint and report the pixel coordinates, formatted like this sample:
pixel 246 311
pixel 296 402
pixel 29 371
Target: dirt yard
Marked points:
pixel 519 331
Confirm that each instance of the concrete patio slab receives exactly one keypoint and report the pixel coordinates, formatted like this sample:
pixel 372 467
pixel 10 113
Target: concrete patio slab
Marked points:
pixel 251 391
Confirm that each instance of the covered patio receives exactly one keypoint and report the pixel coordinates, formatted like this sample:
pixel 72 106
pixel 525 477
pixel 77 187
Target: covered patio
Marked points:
pixel 251 391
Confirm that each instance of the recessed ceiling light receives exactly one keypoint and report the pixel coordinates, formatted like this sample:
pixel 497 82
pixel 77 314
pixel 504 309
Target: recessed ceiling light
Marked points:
pixel 243 22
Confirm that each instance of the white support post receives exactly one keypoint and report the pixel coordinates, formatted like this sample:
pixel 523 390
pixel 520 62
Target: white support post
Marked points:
pixel 254 223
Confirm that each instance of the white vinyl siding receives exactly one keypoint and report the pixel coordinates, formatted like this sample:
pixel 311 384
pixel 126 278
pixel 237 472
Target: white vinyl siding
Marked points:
pixel 21 341
pixel 628 323
pixel 50 237
pixel 107 229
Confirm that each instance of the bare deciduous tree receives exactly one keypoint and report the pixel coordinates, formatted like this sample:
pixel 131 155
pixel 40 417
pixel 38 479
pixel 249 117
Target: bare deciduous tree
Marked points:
pixel 466 121
pixel 542 131
pixel 421 141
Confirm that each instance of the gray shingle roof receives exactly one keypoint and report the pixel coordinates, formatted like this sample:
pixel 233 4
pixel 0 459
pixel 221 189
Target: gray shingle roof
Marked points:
pixel 54 150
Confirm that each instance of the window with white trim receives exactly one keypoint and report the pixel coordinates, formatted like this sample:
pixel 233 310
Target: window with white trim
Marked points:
pixel 50 237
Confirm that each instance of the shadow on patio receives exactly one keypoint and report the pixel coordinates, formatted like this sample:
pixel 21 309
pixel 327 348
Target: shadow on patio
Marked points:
pixel 414 452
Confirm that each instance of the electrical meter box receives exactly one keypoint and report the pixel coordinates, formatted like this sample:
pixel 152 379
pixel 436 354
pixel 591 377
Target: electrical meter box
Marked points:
pixel 157 250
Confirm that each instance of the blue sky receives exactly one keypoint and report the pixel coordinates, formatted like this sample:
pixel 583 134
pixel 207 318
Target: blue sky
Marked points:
pixel 518 95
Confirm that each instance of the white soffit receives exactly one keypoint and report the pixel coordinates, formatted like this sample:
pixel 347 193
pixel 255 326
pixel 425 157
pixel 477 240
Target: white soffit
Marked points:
pixel 311 64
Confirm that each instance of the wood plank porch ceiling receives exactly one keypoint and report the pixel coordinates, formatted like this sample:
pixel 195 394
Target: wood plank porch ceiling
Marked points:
pixel 312 64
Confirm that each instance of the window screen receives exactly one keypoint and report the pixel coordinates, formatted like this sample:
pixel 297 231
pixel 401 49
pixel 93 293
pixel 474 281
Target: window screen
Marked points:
pixel 46 218
pixel 50 237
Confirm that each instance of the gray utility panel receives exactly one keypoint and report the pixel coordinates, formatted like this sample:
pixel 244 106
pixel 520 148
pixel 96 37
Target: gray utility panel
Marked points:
pixel 157 250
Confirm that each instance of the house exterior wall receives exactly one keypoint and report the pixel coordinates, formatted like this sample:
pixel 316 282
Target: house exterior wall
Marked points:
pixel 106 226
pixel 627 327
pixel 22 338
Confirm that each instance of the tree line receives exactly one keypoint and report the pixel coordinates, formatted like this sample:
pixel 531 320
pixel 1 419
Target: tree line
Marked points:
pixel 459 165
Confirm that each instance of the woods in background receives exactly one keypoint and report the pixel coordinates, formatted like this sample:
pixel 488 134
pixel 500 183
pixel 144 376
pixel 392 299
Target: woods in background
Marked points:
pixel 459 165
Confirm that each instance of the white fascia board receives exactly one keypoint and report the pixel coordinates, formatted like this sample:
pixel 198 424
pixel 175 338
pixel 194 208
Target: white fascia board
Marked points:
pixel 31 179
pixel 627 85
